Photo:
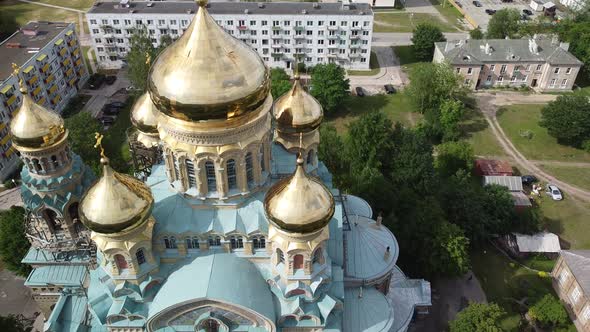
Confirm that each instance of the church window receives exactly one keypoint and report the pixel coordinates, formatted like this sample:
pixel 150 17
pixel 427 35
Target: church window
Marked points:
pixel 310 157
pixel 36 165
pixel 170 243
pixel 210 172
pixel 210 325
pixel 214 241
pixel 190 171
pixel 121 262
pixel 280 256
pixel 231 174
pixel 54 162
pixel 297 262
pixel 262 166
pixel 140 256
pixel 249 169
pixel 236 242
pixel 192 243
pixel 259 242
pixel 317 256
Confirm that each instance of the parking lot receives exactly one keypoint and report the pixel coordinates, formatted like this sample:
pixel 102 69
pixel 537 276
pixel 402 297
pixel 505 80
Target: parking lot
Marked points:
pixel 480 16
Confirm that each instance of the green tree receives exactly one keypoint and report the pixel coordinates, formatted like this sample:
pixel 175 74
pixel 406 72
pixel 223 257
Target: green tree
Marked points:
pixel 431 84
pixel 331 153
pixel 577 33
pixel 81 128
pixel 141 54
pixel 15 323
pixel 329 85
pixel 452 256
pixel 476 34
pixel 279 82
pixel 370 142
pixel 423 39
pixel 451 113
pixel 478 317
pixel 454 156
pixel 500 216
pixel 568 119
pixel 165 41
pixel 8 24
pixel 13 242
pixel 504 23
pixel 549 312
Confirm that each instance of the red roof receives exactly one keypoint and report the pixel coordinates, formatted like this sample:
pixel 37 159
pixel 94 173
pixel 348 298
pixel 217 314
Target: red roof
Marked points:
pixel 492 167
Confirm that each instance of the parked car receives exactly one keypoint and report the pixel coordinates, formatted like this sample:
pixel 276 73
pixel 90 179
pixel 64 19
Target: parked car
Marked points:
pixel 110 111
pixel 490 11
pixel 477 3
pixel 527 12
pixel 528 179
pixel 110 79
pixel 554 192
pixel 389 89
pixel 117 104
pixel 95 81
pixel 107 120
pixel 359 91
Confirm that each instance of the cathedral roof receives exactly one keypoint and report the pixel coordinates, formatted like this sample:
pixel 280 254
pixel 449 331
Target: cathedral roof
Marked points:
pixel 297 111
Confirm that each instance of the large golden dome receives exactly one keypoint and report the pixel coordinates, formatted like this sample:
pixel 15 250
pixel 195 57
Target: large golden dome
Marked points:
pixel 297 111
pixel 144 116
pixel 208 74
pixel 299 203
pixel 115 203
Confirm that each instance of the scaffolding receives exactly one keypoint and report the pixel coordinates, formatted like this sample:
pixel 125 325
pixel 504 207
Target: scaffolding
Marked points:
pixel 143 157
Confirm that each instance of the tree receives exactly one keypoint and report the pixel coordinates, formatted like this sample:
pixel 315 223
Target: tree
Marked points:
pixel 452 256
pixel 15 323
pixel 423 39
pixel 454 156
pixel 500 216
pixel 504 23
pixel 329 85
pixel 81 128
pixel 8 24
pixel 577 33
pixel 13 242
pixel 141 54
pixel 331 153
pixel 478 317
pixel 431 84
pixel 549 312
pixel 279 82
pixel 451 113
pixel 370 142
pixel 476 34
pixel 568 119
pixel 165 41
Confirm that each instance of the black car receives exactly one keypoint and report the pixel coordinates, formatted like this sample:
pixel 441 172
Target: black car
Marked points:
pixel 389 89
pixel 477 3
pixel 490 11
pixel 95 81
pixel 528 179
pixel 359 91
pixel 527 12
pixel 110 80
pixel 107 120
pixel 117 104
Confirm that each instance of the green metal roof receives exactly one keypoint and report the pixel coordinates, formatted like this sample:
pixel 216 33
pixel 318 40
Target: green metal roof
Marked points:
pixel 63 275
pixel 371 312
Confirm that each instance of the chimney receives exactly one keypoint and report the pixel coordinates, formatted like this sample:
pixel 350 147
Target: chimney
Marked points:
pixel 488 49
pixel 379 220
pixel 564 46
pixel 345 4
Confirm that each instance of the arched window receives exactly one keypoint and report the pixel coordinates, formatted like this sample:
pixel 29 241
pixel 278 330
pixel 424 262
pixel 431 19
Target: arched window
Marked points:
pixel 310 156
pixel 236 242
pixel 140 255
pixel 280 256
pixel 121 262
pixel 50 217
pixel 54 162
pixel 231 174
pixel 190 171
pixel 249 169
pixel 73 211
pixel 170 243
pixel 214 241
pixel 297 262
pixel 192 243
pixel 262 166
pixel 259 242
pixel 37 165
pixel 166 243
pixel 210 173
pixel 210 325
pixel 317 256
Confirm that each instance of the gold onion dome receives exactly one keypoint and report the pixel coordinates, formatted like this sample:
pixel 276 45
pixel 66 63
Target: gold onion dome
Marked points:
pixel 297 111
pixel 299 203
pixel 144 117
pixel 207 74
pixel 115 203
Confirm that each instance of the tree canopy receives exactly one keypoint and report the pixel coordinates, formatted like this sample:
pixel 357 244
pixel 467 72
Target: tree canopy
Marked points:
pixel 454 156
pixel 568 119
pixel 142 54
pixel 504 23
pixel 549 312
pixel 15 323
pixel 13 242
pixel 478 317
pixel 576 31
pixel 476 34
pixel 279 82
pixel 329 85
pixel 423 39
pixel 81 128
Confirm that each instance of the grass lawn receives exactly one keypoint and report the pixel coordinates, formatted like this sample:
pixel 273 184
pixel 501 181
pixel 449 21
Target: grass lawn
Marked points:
pixel 397 107
pixel 406 57
pixel 26 12
pixel 373 64
pixel 85 55
pixel 578 176
pixel 517 119
pixel 74 4
pixel 504 281
pixel 449 12
pixel 569 219
pixel 476 131
pixel 405 22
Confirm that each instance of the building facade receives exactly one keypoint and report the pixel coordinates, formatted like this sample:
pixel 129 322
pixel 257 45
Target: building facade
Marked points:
pixel 575 4
pixel 571 281
pixel 544 65
pixel 281 33
pixel 52 68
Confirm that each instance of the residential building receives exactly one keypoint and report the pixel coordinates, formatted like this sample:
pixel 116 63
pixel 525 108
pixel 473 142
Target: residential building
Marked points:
pixel 571 281
pixel 281 32
pixel 575 4
pixel 52 68
pixel 545 65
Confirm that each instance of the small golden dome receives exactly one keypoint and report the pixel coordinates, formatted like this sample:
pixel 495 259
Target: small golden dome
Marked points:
pixel 115 203
pixel 299 203
pixel 208 74
pixel 144 115
pixel 34 126
pixel 297 111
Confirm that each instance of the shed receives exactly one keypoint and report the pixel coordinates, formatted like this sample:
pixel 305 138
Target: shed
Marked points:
pixel 537 5
pixel 513 183
pixel 543 242
pixel 521 201
pixel 492 167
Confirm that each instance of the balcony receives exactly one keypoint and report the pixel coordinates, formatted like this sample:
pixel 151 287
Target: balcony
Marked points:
pixel 333 46
pixel 11 100
pixel 332 27
pixel 63 51
pixel 299 28
pixel 274 28
pixel 242 27
pixel 356 28
pixel 41 101
pixel 332 55
pixel 300 37
pixel 357 37
pixel 333 37
pixel 49 79
pixel 355 46
pixel 277 53
pixel 33 80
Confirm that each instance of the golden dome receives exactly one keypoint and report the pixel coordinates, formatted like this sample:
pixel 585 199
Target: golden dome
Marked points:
pixel 115 203
pixel 144 115
pixel 34 126
pixel 297 111
pixel 208 74
pixel 299 203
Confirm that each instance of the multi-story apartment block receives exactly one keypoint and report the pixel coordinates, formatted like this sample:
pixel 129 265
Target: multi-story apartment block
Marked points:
pixel 545 65
pixel 281 32
pixel 571 281
pixel 52 68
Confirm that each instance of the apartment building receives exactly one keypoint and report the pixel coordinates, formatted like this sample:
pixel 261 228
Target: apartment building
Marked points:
pixel 571 281
pixel 52 68
pixel 281 32
pixel 545 65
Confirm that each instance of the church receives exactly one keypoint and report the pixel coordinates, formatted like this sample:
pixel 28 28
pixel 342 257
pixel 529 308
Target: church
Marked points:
pixel 237 227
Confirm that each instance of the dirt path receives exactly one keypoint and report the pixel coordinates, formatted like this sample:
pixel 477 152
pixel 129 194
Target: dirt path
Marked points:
pixel 52 6
pixel 488 105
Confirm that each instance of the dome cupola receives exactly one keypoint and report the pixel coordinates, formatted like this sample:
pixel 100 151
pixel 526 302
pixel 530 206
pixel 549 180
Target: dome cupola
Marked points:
pixel 299 203
pixel 297 111
pixel 207 74
pixel 144 117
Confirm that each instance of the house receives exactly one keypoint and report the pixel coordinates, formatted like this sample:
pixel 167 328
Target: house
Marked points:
pixel 571 281
pixel 513 183
pixel 542 64
pixel 485 167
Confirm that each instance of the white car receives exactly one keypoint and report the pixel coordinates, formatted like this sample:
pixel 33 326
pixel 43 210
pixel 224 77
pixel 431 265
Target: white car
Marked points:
pixel 554 192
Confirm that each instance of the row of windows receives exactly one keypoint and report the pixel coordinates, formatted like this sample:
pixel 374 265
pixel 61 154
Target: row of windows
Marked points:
pixel 298 259
pixel 240 23
pixel 517 68
pixel 236 242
